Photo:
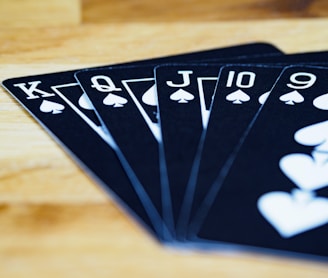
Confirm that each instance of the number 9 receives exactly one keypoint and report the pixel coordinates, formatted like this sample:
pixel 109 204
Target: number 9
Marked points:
pixel 301 84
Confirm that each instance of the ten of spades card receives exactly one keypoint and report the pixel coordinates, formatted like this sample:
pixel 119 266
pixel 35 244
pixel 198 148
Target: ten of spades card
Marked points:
pixel 240 91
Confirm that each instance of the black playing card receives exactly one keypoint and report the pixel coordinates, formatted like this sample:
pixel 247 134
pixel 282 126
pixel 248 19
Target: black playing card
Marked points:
pixel 90 121
pixel 184 95
pixel 137 146
pixel 57 103
pixel 307 58
pixel 243 50
pixel 275 196
pixel 240 91
pixel 125 102
pixel 143 90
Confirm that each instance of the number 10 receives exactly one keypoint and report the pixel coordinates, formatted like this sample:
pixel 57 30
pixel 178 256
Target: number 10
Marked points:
pixel 246 76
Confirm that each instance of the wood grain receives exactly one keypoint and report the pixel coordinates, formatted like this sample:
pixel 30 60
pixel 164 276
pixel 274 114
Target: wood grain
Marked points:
pixel 55 221
pixel 96 241
pixel 114 43
pixel 38 13
pixel 106 11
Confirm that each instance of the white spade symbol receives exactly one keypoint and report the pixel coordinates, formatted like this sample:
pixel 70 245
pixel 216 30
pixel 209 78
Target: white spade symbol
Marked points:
pixel 238 97
pixel 314 135
pixel 292 98
pixel 85 103
pixel 292 214
pixel 308 172
pixel 114 100
pixel 150 96
pixel 264 97
pixel 50 106
pixel 182 96
pixel 321 102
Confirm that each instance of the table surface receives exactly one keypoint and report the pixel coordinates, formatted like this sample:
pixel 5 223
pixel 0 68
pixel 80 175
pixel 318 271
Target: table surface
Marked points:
pixel 54 220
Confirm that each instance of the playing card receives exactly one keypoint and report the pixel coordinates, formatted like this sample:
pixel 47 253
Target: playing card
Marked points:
pixel 275 196
pixel 125 101
pixel 58 104
pixel 240 91
pixel 243 50
pixel 82 108
pixel 307 58
pixel 184 94
pixel 142 88
pixel 137 146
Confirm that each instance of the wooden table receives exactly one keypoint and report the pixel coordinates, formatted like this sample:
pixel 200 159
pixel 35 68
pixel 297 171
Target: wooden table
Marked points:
pixel 55 221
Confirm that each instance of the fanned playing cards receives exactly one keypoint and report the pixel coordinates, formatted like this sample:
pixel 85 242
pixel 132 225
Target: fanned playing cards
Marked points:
pixel 222 149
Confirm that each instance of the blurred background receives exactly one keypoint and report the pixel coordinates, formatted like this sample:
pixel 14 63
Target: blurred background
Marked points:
pixel 26 13
pixel 195 10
